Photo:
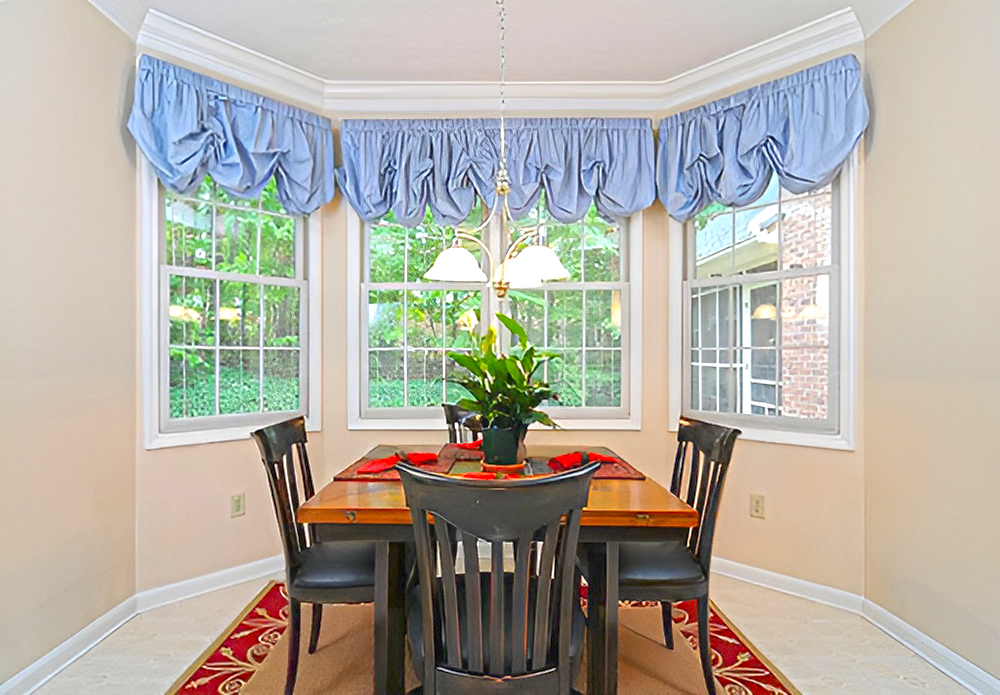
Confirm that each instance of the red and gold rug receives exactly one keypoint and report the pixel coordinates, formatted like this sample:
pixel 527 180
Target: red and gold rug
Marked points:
pixel 239 653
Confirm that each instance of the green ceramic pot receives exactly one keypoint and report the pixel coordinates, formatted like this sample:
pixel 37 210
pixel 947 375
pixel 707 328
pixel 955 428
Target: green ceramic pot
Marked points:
pixel 501 445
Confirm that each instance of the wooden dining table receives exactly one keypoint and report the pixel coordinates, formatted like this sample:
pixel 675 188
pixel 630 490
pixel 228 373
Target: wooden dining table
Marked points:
pixel 617 511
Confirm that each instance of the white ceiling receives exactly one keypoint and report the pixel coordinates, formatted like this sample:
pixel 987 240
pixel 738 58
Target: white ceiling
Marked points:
pixel 458 40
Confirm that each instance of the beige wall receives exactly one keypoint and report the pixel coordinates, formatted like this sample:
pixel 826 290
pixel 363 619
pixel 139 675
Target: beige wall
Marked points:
pixel 933 387
pixel 67 283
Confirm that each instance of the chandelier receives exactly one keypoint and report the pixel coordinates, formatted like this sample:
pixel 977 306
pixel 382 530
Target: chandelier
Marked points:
pixel 518 268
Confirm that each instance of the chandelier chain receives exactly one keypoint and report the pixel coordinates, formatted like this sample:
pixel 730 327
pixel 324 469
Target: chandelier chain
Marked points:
pixel 502 173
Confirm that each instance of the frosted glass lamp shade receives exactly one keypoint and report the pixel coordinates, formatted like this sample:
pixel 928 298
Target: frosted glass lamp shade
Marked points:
pixel 542 262
pixel 456 264
pixel 516 274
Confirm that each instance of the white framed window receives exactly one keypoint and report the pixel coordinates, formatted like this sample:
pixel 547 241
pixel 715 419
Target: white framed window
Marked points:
pixel 762 315
pixel 402 326
pixel 230 333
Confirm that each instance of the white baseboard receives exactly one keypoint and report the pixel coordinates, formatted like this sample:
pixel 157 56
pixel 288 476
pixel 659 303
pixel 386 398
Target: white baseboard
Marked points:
pixel 189 588
pixel 954 665
pixel 788 585
pixel 31 678
pixel 936 654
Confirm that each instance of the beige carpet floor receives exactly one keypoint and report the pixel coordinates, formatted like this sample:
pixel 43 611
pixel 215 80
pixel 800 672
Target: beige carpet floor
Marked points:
pixel 342 663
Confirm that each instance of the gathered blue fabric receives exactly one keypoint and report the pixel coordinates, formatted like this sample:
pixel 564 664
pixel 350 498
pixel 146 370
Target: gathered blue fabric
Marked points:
pixel 188 125
pixel 801 127
pixel 407 165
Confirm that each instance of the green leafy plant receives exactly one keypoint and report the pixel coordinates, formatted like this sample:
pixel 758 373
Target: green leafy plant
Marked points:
pixel 504 388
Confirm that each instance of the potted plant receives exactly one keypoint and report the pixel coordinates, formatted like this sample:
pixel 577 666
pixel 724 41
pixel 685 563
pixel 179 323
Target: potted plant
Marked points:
pixel 504 391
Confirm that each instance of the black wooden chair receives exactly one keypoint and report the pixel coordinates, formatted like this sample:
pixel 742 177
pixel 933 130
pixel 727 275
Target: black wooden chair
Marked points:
pixel 463 425
pixel 677 571
pixel 517 632
pixel 316 573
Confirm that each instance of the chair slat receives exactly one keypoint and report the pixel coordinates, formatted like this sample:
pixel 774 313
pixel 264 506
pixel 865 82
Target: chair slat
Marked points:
pixel 496 666
pixel 425 561
pixel 543 596
pixel 571 532
pixel 449 590
pixel 519 604
pixel 473 602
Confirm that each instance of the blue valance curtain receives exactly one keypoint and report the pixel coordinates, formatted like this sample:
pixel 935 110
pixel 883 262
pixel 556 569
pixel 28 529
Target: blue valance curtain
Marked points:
pixel 801 127
pixel 407 165
pixel 188 125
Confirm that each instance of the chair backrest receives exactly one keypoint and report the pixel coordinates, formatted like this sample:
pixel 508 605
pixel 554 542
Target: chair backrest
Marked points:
pixel 463 425
pixel 531 513
pixel 703 454
pixel 283 451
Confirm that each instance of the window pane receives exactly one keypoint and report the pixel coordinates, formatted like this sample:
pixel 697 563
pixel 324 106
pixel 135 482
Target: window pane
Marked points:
pixel 387 252
pixel 806 230
pixel 461 317
pixel 565 318
pixel 281 380
pixel 236 240
pixel 425 243
pixel 709 388
pixel 805 344
pixel 189 233
pixel 805 382
pixel 528 309
pixel 604 328
pixel 192 311
pixel 239 313
pixel 756 234
pixel 239 381
pixel 708 318
pixel 601 259
pixel 269 201
pixel 192 383
pixel 764 315
pixel 277 246
pixel 281 316
pixel 566 377
pixel 453 391
pixel 604 368
pixel 565 240
pixel 385 379
pixel 385 318
pixel 425 374
pixel 713 245
pixel 424 319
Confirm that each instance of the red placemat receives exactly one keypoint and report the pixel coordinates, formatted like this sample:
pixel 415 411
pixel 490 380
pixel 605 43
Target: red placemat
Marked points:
pixel 538 458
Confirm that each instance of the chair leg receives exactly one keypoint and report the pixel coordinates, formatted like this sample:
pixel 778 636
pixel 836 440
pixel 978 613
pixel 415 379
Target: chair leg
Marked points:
pixel 317 618
pixel 668 623
pixel 294 625
pixel 704 646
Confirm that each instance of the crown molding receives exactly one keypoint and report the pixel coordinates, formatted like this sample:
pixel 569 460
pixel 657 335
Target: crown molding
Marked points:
pixel 175 40
pixel 201 50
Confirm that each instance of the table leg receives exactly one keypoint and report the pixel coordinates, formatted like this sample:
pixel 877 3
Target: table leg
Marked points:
pixel 390 618
pixel 602 611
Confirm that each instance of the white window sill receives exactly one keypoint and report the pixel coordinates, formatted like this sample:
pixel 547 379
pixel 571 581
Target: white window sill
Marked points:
pixel 815 440
pixel 430 424
pixel 165 440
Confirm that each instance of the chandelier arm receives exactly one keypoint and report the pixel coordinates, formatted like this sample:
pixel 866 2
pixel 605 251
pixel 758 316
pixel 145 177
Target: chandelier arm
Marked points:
pixel 489 255
pixel 517 242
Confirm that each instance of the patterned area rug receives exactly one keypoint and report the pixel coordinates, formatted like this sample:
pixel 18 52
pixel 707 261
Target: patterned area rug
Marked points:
pixel 239 653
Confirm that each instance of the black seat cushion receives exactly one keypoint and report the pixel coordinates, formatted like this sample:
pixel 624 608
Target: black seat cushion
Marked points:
pixel 415 625
pixel 659 571
pixel 341 572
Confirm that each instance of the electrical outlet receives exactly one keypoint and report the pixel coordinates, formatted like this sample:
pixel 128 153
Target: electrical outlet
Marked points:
pixel 757 506
pixel 237 505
